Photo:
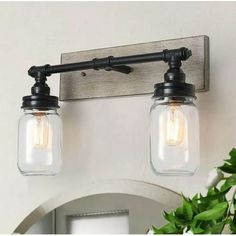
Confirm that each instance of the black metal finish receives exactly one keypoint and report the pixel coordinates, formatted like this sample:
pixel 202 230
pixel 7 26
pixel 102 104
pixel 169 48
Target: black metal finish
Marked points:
pixel 40 98
pixel 174 90
pixel 121 69
pixel 174 85
pixel 111 62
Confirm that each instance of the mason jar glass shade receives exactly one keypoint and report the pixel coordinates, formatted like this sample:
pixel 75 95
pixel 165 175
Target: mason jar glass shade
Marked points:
pixel 174 136
pixel 39 142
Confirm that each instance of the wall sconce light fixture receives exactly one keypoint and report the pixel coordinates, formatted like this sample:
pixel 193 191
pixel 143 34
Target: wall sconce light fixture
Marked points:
pixel 174 127
pixel 174 136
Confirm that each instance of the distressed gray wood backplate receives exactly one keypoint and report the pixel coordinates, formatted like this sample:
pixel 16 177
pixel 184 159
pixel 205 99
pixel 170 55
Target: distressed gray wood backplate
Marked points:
pixel 100 84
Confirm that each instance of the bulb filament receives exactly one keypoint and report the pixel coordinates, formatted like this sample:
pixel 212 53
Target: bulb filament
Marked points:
pixel 41 131
pixel 175 128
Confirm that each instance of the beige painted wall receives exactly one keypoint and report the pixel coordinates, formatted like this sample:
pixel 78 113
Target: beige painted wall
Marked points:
pixel 107 138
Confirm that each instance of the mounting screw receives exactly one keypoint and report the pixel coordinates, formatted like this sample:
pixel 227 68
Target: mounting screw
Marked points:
pixel 83 74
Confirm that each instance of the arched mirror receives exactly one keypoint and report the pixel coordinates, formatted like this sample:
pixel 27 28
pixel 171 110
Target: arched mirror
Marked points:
pixel 132 209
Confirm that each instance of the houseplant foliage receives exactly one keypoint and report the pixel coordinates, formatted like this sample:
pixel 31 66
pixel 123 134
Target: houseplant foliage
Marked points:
pixel 209 214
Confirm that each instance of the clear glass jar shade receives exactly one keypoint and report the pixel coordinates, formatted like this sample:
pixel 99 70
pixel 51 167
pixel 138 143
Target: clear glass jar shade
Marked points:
pixel 174 137
pixel 39 142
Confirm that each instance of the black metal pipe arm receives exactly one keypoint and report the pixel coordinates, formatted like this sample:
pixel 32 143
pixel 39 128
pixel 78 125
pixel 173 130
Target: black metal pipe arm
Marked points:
pixel 110 62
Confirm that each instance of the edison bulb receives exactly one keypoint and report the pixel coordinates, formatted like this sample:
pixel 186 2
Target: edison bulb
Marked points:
pixel 174 136
pixel 175 125
pixel 41 131
pixel 39 142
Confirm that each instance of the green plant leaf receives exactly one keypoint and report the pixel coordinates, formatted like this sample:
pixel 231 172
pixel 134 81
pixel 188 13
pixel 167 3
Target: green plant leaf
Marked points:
pixel 156 230
pixel 232 226
pixel 172 218
pixel 229 182
pixel 233 153
pixel 187 209
pixel 228 168
pixel 169 217
pixel 231 161
pixel 212 190
pixel 196 196
pixel 197 230
pixel 167 229
pixel 217 228
pixel 196 207
pixel 213 214
pixel 206 214
pixel 230 164
pixel 179 212
pixel 209 200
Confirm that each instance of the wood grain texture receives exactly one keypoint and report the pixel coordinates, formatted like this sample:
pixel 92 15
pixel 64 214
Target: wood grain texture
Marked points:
pixel 101 84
